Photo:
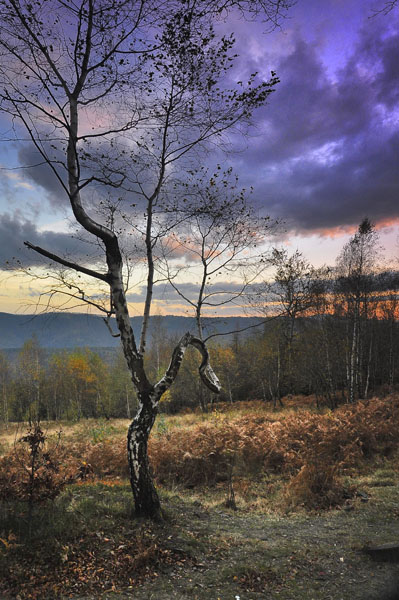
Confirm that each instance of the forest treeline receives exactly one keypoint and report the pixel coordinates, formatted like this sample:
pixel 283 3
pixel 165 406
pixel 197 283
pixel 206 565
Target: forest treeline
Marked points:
pixel 330 355
pixel 329 333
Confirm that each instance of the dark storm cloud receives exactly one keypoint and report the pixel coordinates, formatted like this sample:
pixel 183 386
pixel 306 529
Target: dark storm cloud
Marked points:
pixel 15 231
pixel 326 151
pixel 329 151
pixel 42 175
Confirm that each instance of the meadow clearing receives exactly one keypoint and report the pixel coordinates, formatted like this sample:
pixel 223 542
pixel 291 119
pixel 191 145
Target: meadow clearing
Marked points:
pixel 258 503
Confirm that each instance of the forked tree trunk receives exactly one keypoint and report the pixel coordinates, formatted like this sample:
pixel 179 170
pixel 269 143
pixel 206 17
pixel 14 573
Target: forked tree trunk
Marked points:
pixel 146 499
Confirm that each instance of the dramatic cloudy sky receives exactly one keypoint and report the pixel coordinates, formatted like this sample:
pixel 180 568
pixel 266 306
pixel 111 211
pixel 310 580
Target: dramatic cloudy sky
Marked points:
pixel 327 150
pixel 325 153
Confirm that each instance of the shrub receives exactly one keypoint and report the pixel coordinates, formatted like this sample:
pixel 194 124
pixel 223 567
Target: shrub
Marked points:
pixel 315 486
pixel 311 449
pixel 107 459
pixel 200 455
pixel 34 470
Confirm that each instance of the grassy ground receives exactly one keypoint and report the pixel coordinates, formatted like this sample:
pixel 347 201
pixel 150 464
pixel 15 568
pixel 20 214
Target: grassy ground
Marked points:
pixel 87 543
pixel 88 429
pixel 92 429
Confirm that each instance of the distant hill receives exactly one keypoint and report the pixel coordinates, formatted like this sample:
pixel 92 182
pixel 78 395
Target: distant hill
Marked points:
pixel 71 330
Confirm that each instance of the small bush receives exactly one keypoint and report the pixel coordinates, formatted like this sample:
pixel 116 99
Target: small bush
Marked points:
pixel 35 470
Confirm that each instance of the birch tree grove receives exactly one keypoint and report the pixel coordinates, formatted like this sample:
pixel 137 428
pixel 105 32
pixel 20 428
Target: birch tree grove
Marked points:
pixel 115 96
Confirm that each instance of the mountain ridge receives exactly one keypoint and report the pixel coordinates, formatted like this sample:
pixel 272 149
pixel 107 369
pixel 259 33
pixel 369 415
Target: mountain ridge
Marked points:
pixel 71 330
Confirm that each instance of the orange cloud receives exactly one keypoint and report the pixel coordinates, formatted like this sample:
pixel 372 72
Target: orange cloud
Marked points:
pixel 340 230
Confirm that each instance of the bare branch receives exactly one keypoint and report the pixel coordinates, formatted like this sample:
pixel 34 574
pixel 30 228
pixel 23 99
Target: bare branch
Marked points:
pixel 67 263
pixel 386 9
pixel 206 372
pixel 106 321
pixel 263 322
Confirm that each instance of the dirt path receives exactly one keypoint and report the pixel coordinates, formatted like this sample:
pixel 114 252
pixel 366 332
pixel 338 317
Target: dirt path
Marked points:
pixel 256 556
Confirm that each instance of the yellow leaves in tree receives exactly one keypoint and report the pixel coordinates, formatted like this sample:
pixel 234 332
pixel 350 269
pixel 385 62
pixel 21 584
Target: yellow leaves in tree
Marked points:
pixel 80 368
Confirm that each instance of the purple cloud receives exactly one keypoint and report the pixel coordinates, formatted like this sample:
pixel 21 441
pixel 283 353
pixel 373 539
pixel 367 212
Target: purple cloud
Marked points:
pixel 326 148
pixel 329 148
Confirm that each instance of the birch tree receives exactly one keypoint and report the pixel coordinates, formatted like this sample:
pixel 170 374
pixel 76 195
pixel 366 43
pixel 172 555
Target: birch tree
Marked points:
pixel 355 267
pixel 5 377
pixel 222 238
pixel 30 384
pixel 114 95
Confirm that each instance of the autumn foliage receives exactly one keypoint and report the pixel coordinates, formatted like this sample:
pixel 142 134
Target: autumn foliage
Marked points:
pixel 311 451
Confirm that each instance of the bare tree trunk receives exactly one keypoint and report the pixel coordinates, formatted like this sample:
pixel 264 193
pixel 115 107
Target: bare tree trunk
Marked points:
pixel 328 362
pixel 290 352
pixel 278 378
pixel 229 390
pixel 272 394
pixel 366 387
pixel 145 495
pixel 198 319
pixel 79 407
pixel 5 406
pixel 353 363
pixel 201 398
pixel 391 354
pixel 347 361
pixel 359 354
pixel 264 391
pixel 56 408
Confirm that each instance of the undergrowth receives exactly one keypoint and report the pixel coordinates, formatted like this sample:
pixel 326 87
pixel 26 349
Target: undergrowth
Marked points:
pixel 92 545
pixel 265 461
pixel 310 451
